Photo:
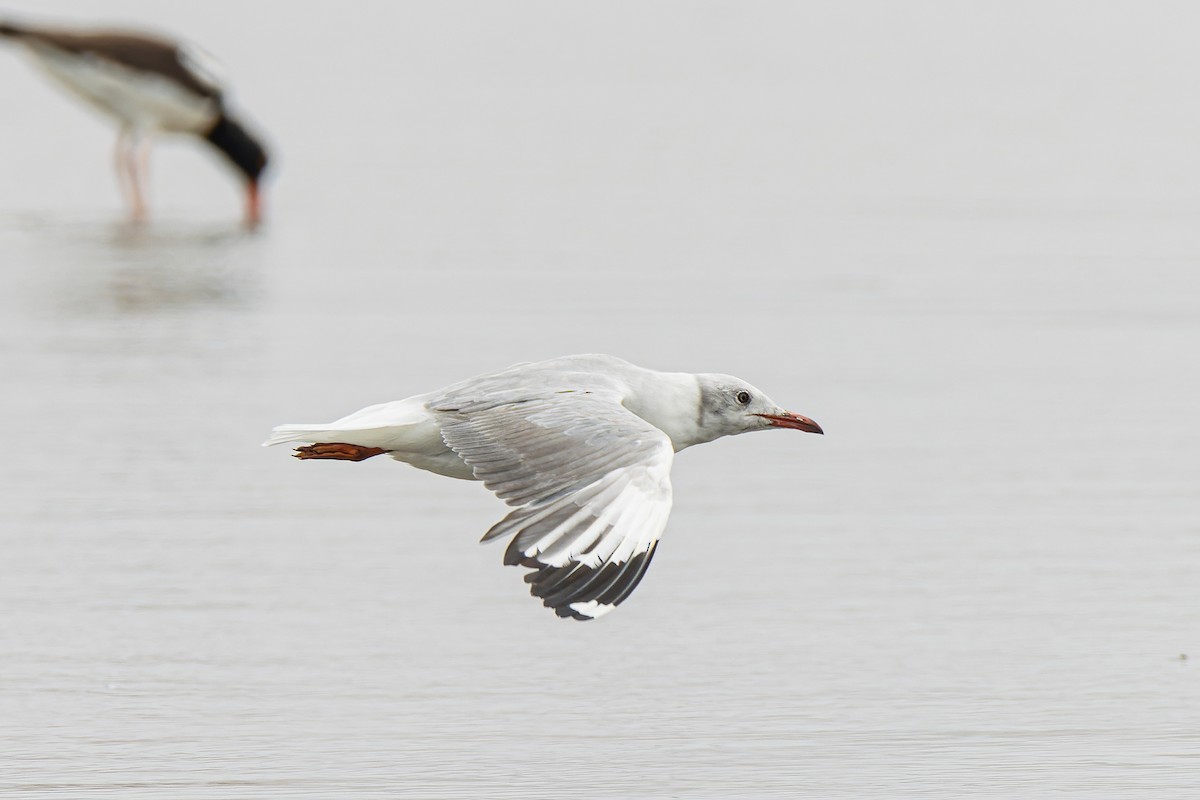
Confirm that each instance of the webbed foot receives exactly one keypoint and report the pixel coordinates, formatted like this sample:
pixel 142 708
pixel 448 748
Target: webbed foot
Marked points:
pixel 339 451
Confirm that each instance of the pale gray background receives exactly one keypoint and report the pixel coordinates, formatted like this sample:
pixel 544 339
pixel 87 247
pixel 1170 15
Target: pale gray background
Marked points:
pixel 961 236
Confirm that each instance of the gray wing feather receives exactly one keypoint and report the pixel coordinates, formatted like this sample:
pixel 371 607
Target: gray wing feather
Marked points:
pixel 531 451
pixel 591 481
pixel 523 382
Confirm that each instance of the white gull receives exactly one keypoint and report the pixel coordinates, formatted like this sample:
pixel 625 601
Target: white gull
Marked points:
pixel 581 445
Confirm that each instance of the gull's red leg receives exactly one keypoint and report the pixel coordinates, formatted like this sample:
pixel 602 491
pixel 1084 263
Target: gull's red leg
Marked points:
pixel 339 451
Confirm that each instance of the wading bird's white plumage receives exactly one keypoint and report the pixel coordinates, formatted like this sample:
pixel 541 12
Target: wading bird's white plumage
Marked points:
pixel 582 447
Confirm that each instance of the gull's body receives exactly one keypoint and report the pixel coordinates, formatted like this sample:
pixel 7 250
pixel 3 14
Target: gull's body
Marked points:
pixel 581 445
pixel 147 85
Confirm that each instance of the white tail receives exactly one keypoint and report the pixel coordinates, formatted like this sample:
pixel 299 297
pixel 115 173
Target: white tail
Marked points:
pixel 298 433
pixel 392 426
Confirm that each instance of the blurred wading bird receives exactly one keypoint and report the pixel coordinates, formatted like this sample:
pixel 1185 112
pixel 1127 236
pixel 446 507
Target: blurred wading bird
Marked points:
pixel 580 445
pixel 148 85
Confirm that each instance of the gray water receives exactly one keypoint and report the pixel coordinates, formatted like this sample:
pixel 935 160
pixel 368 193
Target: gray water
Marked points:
pixel 963 239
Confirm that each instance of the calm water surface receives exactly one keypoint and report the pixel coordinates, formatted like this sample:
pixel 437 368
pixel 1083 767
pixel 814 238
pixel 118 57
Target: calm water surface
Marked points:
pixel 964 244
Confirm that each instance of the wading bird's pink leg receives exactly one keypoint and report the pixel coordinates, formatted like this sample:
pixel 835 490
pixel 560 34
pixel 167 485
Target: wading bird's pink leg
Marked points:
pixel 121 163
pixel 128 153
pixel 139 167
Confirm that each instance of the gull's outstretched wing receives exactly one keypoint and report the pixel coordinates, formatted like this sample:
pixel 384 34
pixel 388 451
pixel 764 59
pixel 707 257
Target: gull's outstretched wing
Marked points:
pixel 592 484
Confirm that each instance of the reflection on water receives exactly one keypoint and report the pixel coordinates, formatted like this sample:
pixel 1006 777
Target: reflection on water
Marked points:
pixel 86 267
pixel 159 267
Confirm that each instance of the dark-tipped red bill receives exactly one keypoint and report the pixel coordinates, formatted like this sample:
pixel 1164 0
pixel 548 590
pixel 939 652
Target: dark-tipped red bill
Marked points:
pixel 789 420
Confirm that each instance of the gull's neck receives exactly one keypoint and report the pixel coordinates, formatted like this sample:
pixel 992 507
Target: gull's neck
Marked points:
pixel 670 401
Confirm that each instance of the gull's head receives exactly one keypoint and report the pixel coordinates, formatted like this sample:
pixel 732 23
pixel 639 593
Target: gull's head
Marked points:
pixel 729 405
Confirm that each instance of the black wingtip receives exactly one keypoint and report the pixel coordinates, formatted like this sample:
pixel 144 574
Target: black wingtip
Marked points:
pixel 560 588
pixel 566 612
pixel 9 29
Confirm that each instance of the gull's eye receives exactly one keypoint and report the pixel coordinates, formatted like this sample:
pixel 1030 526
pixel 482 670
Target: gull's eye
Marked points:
pixel 743 398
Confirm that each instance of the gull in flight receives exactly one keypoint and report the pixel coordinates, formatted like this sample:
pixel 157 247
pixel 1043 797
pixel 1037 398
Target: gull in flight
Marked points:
pixel 581 446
